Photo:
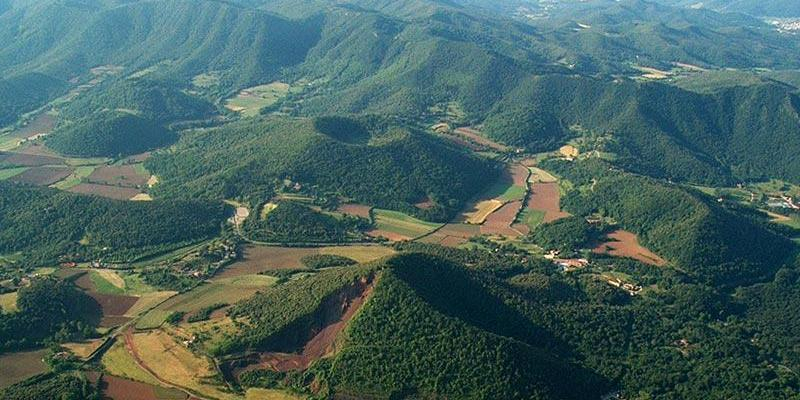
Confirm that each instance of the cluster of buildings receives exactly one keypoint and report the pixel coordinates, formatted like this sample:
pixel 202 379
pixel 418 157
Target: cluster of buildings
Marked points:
pixel 631 288
pixel 782 202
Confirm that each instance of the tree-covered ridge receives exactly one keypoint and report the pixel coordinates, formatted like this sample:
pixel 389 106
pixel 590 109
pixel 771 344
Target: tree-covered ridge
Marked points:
pixel 23 93
pixel 159 101
pixel 45 224
pixel 292 222
pixel 661 130
pixel 109 134
pixel 429 330
pixel 395 169
pixel 48 310
pixel 68 386
pixel 706 239
pixel 280 316
pixel 247 45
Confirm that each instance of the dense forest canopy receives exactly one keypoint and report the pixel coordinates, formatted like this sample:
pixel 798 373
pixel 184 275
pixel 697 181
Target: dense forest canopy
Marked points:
pixel 48 310
pixel 286 151
pixel 396 169
pixel 47 224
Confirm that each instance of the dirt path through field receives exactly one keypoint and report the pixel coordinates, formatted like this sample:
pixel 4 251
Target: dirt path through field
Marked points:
pixel 130 346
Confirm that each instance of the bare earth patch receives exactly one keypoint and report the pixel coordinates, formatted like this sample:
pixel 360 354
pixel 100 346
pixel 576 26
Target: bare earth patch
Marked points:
pixel 626 244
pixel 42 176
pixel 28 160
pixel 16 367
pixel 500 222
pixel 547 197
pixel 111 192
pixel 322 344
pixel 357 210
pixel 118 175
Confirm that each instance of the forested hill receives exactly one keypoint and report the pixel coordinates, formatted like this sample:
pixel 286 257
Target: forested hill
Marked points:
pixel 26 92
pixel 109 134
pixel 718 244
pixel 720 137
pixel 771 8
pixel 45 224
pixel 369 160
pixel 158 101
pixel 67 38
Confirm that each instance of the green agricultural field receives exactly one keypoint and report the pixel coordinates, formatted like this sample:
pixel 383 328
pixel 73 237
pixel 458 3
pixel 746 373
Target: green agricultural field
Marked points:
pixel 119 282
pixel 11 172
pixel 227 291
pixel 118 362
pixel 249 102
pixel 402 224
pixel 531 218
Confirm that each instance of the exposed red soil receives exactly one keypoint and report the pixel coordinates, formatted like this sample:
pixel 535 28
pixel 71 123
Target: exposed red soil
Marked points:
pixel 626 244
pixel 519 175
pixel 111 192
pixel 114 308
pixel 28 160
pixel 117 175
pixel 123 389
pixel 322 344
pixel 43 176
pixel 259 259
pixel 522 228
pixel 83 282
pixel 500 221
pixel 42 124
pixel 546 197
pixel 358 210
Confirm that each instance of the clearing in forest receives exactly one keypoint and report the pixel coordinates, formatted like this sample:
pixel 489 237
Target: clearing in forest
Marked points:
pixel 249 102
pixel 8 302
pixel 356 210
pixel 625 244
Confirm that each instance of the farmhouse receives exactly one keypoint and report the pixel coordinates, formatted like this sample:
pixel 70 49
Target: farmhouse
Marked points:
pixel 628 287
pixel 571 264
